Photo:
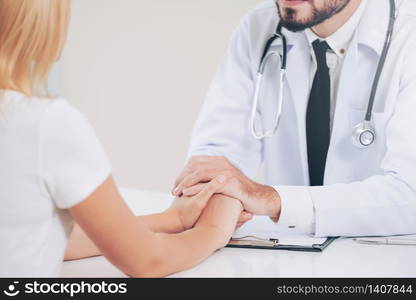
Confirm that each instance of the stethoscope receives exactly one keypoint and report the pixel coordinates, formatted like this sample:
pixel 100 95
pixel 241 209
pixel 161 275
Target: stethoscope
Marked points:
pixel 364 134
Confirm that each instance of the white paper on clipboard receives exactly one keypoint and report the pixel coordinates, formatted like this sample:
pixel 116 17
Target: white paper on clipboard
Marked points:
pixel 262 228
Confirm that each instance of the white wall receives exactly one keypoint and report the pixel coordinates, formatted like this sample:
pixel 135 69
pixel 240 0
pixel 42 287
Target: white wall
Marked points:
pixel 140 70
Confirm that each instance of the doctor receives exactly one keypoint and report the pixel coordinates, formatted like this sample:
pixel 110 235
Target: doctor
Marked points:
pixel 334 123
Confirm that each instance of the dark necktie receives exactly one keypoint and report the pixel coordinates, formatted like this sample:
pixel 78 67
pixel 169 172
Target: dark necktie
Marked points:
pixel 317 116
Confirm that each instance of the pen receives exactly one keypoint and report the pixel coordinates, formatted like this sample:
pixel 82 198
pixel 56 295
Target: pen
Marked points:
pixel 386 241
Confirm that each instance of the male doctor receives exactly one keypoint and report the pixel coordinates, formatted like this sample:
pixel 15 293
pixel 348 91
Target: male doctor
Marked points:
pixel 316 176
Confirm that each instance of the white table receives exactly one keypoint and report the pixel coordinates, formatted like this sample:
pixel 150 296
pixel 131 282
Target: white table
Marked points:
pixel 344 258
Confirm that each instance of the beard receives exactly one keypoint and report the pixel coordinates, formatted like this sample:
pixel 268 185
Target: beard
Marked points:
pixel 290 20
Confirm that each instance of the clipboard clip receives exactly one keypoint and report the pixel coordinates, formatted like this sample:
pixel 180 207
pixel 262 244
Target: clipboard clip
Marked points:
pixel 259 243
pixel 255 241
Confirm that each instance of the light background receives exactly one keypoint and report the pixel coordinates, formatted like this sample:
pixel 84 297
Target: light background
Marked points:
pixel 140 70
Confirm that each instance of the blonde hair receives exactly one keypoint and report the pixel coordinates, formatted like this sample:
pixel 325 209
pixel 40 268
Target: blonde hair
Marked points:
pixel 32 33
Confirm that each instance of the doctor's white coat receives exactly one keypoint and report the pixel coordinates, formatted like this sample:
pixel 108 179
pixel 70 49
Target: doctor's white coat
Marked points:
pixel 367 191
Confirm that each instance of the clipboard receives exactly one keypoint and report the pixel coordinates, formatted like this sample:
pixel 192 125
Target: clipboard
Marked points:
pixel 273 244
pixel 262 233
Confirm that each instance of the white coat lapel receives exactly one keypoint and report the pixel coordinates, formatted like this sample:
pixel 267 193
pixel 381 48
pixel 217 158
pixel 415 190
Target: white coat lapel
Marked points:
pixel 298 80
pixel 348 91
pixel 350 80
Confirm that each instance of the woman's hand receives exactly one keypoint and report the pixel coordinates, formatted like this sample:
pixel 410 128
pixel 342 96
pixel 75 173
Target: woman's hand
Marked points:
pixel 188 209
pixel 220 217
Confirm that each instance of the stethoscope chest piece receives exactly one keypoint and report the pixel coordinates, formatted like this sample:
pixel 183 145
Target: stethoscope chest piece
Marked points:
pixel 364 135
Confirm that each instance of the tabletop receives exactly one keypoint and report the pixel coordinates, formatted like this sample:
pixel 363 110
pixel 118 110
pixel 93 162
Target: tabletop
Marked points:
pixel 343 258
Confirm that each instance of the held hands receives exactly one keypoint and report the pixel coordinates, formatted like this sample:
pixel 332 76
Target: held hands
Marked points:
pixel 257 199
pixel 188 209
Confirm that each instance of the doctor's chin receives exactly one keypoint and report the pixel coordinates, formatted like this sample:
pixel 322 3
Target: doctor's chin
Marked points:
pixel 262 141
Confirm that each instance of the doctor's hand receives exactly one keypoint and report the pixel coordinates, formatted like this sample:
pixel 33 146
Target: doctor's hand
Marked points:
pixel 257 199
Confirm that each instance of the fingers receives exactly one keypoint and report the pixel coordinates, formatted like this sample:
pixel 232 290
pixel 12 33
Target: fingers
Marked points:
pixel 197 164
pixel 185 172
pixel 212 188
pixel 191 180
pixel 193 190
pixel 193 164
pixel 178 180
pixel 245 217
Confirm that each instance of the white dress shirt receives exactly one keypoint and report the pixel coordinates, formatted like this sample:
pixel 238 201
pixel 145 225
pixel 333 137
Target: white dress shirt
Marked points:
pixel 339 42
pixel 300 213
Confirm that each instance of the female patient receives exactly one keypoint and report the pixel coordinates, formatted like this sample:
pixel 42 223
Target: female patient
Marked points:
pixel 53 171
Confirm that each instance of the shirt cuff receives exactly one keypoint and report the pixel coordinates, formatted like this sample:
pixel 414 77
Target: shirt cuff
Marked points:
pixel 297 208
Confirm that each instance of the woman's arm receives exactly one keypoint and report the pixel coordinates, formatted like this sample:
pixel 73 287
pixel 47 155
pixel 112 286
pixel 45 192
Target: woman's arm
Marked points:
pixel 179 217
pixel 80 245
pixel 131 246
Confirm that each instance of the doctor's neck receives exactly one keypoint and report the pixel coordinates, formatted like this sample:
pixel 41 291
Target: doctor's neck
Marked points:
pixel 331 25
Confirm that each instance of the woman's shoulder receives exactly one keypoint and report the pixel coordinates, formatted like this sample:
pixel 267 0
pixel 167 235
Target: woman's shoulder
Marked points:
pixel 21 110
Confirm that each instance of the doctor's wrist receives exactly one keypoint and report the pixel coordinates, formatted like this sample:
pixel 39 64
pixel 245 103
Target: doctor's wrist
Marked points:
pixel 266 202
pixel 272 202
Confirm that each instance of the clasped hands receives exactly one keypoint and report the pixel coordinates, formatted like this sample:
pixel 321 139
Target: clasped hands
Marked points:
pixel 205 176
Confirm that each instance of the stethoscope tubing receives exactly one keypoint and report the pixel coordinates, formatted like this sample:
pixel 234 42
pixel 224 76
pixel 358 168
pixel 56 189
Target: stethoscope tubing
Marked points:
pixel 363 128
